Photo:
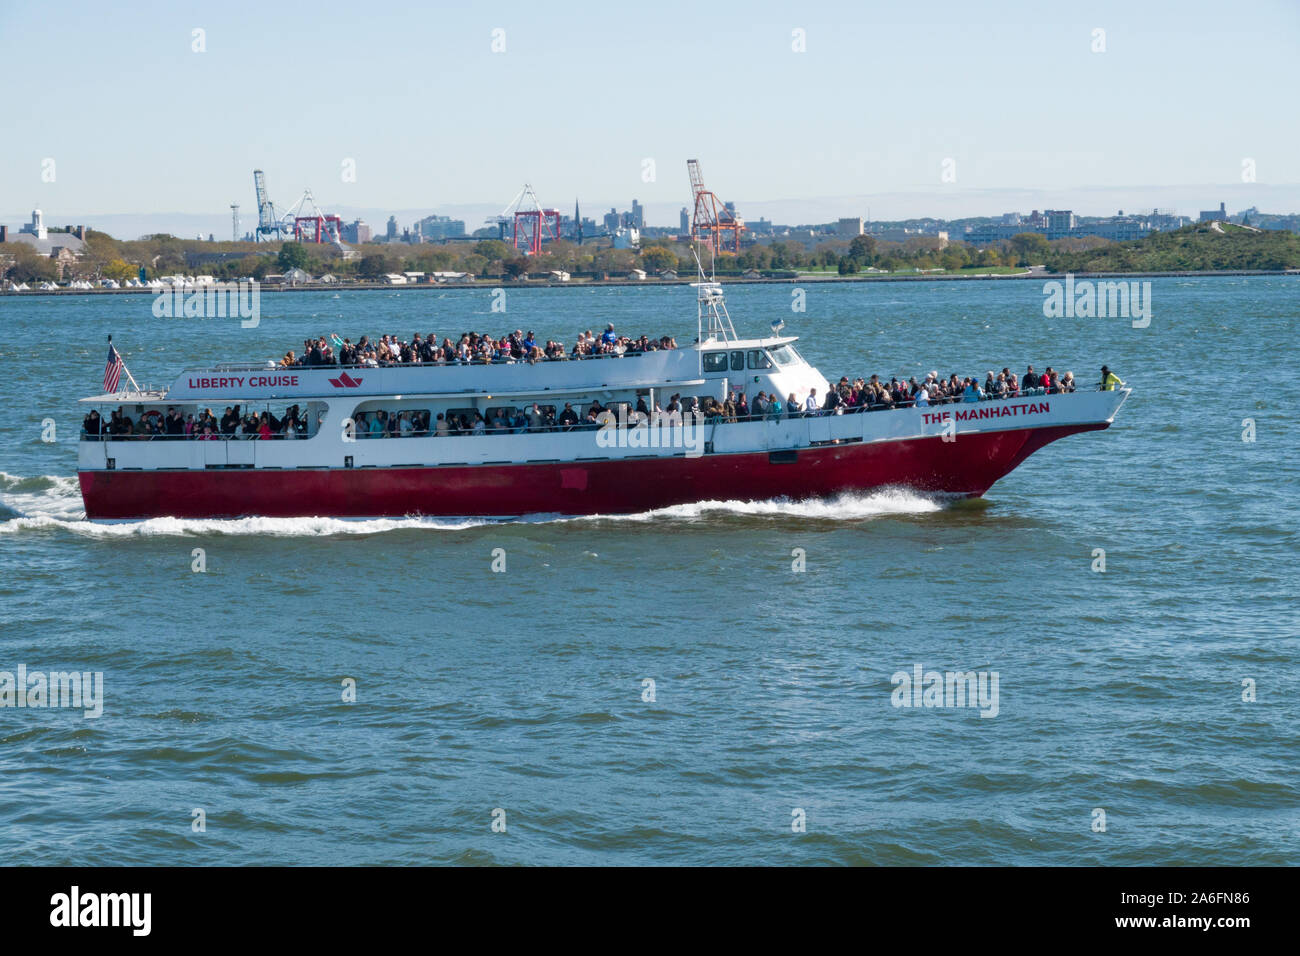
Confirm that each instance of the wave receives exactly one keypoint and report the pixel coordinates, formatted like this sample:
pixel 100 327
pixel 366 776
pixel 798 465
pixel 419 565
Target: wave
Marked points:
pixel 53 502
pixel 56 497
pixel 846 507
pixel 261 527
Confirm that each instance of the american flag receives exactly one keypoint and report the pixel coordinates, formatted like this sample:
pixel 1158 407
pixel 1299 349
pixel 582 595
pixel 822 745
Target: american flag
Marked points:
pixel 113 370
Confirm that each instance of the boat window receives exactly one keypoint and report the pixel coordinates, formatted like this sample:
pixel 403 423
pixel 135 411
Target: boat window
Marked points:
pixel 459 419
pixel 758 359
pixel 737 361
pixel 715 361
pixel 391 422
pixel 785 355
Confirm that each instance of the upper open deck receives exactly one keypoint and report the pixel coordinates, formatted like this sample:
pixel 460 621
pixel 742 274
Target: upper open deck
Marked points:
pixel 665 368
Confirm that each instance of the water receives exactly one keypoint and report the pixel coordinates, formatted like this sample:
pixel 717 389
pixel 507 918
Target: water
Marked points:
pixel 523 691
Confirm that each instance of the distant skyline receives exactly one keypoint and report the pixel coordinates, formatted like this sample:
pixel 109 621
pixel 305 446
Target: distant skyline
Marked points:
pixel 1182 200
pixel 950 111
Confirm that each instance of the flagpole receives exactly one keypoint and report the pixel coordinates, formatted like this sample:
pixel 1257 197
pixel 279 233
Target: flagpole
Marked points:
pixel 129 377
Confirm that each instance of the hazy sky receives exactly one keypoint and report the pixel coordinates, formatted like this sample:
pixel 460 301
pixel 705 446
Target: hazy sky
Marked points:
pixel 585 93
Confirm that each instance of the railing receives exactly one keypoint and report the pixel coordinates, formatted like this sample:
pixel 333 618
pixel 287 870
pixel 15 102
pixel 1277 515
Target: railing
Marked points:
pixel 443 363
pixel 105 436
pixel 476 360
pixel 910 402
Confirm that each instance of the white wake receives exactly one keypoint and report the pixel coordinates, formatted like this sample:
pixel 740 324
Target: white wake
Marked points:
pixel 53 502
pixel 846 507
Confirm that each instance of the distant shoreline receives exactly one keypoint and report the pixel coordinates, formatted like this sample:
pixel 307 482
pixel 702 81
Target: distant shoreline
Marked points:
pixel 660 283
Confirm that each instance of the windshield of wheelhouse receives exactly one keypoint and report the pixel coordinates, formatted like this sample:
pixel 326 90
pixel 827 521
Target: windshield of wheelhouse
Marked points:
pixel 785 355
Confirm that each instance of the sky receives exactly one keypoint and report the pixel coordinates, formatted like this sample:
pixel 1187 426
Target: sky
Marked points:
pixel 798 111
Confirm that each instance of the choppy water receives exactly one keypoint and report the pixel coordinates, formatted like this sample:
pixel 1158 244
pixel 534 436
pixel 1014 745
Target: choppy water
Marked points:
pixel 523 690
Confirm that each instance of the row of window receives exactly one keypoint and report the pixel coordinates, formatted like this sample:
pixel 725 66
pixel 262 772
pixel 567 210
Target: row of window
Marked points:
pixel 754 359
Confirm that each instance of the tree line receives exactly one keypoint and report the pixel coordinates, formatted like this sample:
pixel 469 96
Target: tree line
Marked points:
pixel 1193 248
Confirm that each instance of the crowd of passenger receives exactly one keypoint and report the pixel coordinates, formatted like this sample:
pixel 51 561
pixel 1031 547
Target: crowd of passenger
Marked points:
pixel 412 423
pixel 858 395
pixel 875 394
pixel 205 426
pixel 471 348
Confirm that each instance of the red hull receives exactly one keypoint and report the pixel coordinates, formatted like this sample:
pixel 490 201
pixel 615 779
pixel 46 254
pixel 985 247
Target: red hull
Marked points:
pixel 968 467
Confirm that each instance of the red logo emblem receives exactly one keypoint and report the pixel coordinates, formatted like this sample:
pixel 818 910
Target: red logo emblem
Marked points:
pixel 345 381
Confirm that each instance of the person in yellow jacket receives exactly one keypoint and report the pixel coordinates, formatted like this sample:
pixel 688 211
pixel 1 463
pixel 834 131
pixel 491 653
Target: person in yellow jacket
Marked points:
pixel 1109 380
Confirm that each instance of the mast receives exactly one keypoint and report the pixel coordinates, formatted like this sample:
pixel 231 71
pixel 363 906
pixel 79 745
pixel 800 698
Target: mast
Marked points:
pixel 711 317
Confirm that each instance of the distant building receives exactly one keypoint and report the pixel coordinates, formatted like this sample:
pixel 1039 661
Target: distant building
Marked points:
pixel 685 221
pixel 994 232
pixel 441 227
pixel 1059 222
pixel 392 228
pixel 1215 215
pixel 1116 228
pixel 848 228
pixel 576 227
pixel 1166 221
pixel 580 228
pixel 1053 223
pixel 36 227
pixel 65 247
pixel 356 232
pixel 638 215
pixel 627 238
pixel 897 234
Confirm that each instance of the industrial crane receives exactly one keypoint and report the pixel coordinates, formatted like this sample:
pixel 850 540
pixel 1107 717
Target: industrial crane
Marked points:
pixel 712 220
pixel 530 222
pixel 270 227
pixel 304 222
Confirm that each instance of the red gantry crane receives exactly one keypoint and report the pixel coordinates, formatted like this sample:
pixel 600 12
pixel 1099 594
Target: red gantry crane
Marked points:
pixel 310 224
pixel 531 223
pixel 712 221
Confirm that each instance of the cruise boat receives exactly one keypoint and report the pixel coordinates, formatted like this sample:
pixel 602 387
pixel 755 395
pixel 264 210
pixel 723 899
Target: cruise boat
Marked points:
pixel 626 463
